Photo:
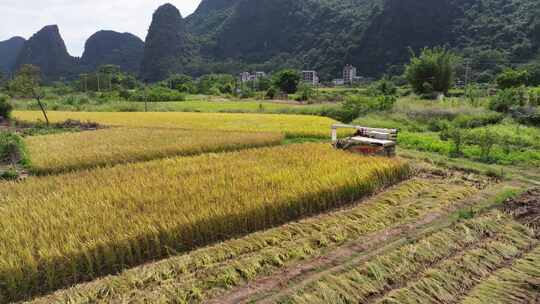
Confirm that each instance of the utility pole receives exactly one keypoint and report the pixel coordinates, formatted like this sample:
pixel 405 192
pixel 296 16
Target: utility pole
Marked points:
pixel 467 72
pixel 98 86
pixel 145 99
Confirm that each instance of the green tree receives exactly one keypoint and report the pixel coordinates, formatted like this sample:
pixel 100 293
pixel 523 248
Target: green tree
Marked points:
pixel 511 78
pixel 5 108
pixel 287 81
pixel 27 83
pixel 305 91
pixel 432 71
pixel 473 94
pixel 508 99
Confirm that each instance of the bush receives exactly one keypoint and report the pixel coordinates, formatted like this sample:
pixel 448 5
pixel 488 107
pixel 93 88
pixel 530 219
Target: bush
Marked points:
pixel 527 115
pixel 471 121
pixel 355 106
pixel 457 136
pixel 5 108
pixel 431 72
pixel 511 78
pixel 534 97
pixel 382 87
pixel 271 93
pixel 305 91
pixel 508 99
pixel 157 94
pixel 12 149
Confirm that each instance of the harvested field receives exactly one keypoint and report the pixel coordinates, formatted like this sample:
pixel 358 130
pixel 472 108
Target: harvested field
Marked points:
pixel 439 268
pixel 69 228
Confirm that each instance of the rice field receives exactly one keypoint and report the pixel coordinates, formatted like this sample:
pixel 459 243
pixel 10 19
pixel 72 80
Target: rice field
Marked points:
pixel 207 272
pixel 290 125
pixel 440 268
pixel 60 230
pixel 72 151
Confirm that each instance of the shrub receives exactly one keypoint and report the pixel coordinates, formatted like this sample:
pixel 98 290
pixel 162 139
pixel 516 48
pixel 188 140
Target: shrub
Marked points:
pixel 157 94
pixel 12 149
pixel 511 78
pixel 508 99
pixel 457 136
pixel 5 108
pixel 382 87
pixel 305 91
pixel 534 97
pixel 471 121
pixel 432 71
pixel 271 93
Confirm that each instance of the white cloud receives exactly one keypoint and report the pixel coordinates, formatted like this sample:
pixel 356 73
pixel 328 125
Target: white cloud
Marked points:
pixel 79 19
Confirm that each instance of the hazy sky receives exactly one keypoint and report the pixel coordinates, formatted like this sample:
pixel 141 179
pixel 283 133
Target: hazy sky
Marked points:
pixel 78 19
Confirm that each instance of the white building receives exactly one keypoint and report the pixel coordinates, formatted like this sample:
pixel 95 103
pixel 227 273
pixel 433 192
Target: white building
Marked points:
pixel 247 76
pixel 244 77
pixel 349 74
pixel 339 82
pixel 310 77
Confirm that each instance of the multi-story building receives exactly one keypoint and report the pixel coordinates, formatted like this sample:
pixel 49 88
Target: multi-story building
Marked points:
pixel 349 74
pixel 310 77
pixel 247 76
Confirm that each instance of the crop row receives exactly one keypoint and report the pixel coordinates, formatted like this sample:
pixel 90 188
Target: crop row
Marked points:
pixel 445 263
pixel 290 125
pixel 209 271
pixel 515 284
pixel 72 151
pixel 64 229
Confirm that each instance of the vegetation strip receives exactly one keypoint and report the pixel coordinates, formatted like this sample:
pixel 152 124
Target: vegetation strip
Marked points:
pixel 360 283
pixel 91 223
pixel 205 272
pixel 74 151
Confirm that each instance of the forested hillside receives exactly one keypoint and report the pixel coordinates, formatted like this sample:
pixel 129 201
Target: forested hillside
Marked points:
pixel 375 35
pixel 229 36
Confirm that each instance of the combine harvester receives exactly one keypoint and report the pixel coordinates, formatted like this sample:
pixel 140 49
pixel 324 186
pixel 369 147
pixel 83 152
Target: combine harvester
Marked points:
pixel 367 141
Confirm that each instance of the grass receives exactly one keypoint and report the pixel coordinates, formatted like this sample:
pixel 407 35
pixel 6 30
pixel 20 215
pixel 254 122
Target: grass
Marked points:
pixel 290 125
pixel 74 151
pixel 232 263
pixel 431 270
pixel 65 229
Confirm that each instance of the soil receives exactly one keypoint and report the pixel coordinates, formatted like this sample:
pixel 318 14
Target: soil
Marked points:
pixel 526 209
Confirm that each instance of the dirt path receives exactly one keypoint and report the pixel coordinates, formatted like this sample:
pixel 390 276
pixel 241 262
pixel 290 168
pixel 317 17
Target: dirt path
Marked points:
pixel 270 288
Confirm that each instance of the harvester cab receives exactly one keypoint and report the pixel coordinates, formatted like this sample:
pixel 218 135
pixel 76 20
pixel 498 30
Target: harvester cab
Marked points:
pixel 367 141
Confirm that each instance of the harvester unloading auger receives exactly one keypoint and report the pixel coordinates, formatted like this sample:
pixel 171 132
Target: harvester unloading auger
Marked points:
pixel 367 141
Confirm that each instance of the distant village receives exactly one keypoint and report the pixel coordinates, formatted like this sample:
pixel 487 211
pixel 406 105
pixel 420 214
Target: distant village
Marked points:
pixel 349 77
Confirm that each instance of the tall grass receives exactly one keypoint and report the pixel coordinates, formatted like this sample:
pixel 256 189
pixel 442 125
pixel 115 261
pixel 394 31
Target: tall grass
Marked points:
pixel 291 125
pixel 73 151
pixel 65 229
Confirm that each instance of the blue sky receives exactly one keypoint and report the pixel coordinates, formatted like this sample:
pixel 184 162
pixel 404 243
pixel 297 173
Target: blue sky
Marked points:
pixel 78 19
